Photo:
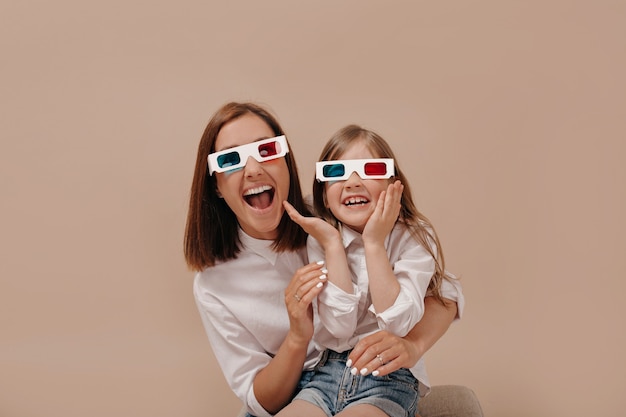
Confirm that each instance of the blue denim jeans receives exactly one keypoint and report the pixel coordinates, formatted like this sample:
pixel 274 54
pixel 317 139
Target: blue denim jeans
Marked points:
pixel 305 378
pixel 332 387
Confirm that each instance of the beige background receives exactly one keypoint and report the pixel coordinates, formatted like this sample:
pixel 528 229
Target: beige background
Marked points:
pixel 508 116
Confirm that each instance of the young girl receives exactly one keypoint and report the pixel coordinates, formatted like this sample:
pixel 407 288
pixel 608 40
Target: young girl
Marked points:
pixel 382 258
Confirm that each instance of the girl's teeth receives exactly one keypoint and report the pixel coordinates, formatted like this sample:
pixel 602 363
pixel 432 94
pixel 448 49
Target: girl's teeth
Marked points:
pixel 355 201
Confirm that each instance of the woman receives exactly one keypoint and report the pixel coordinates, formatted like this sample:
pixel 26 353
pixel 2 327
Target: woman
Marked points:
pixel 254 287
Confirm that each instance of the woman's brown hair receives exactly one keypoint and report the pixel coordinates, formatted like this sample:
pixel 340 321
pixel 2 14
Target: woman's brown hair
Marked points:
pixel 211 233
pixel 419 226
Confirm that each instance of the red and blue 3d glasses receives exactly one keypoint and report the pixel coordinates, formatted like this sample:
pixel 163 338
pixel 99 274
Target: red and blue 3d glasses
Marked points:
pixel 235 158
pixel 339 170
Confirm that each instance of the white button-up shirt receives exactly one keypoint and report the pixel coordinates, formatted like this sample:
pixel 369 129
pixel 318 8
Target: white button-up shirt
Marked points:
pixel 241 303
pixel 243 310
pixel 347 318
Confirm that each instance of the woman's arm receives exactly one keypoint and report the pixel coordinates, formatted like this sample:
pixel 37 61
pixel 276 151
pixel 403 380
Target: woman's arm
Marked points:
pixel 274 385
pixel 397 352
pixel 432 326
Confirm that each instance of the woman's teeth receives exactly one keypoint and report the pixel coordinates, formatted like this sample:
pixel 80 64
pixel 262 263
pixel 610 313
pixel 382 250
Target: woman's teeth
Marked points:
pixel 257 190
pixel 259 197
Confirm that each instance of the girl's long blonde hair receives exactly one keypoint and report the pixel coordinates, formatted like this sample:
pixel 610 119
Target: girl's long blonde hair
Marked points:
pixel 419 226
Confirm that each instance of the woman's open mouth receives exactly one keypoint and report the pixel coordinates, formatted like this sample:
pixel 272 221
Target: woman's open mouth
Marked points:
pixel 260 197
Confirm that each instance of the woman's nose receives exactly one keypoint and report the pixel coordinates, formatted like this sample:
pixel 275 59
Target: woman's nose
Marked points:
pixel 252 167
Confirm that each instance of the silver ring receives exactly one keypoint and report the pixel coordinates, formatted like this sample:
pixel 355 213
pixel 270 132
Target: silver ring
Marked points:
pixel 297 297
pixel 380 359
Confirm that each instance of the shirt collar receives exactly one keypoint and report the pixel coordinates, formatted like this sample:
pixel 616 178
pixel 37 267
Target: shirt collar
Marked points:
pixel 348 235
pixel 261 247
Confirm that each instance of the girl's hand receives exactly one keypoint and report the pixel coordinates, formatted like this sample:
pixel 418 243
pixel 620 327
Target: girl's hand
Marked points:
pixel 382 353
pixel 385 214
pixel 305 285
pixel 323 232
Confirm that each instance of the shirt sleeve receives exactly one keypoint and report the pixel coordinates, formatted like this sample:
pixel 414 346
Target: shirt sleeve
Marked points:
pixel 238 353
pixel 414 268
pixel 337 310
pixel 451 289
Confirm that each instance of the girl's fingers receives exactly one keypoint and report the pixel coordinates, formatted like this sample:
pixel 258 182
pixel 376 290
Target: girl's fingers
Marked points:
pixel 380 205
pixel 377 214
pixel 393 199
pixel 394 193
pixel 292 212
pixel 314 226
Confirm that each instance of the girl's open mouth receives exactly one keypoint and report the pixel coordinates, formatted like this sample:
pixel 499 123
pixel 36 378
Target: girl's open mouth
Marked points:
pixel 353 201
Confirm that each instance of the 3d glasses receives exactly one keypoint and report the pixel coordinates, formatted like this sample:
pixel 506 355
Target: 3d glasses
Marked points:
pixel 339 170
pixel 235 158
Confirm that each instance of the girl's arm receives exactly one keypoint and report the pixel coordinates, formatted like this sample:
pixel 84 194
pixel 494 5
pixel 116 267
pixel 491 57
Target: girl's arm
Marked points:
pixel 338 304
pixel 330 240
pixel 383 284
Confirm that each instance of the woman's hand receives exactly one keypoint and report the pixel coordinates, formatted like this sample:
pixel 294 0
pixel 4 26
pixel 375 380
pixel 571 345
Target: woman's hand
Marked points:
pixel 382 353
pixel 396 352
pixel 306 284
pixel 274 384
pixel 385 214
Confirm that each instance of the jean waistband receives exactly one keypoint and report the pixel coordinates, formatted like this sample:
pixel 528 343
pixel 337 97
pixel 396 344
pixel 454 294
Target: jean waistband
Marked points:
pixel 331 354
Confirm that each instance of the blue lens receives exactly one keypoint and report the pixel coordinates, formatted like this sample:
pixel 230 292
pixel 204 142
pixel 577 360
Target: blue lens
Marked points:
pixel 334 170
pixel 228 159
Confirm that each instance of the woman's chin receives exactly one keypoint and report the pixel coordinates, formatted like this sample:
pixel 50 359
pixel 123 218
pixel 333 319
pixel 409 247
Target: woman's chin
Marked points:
pixel 262 224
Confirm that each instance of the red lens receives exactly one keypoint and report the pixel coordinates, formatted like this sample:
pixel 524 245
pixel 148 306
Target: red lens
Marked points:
pixel 269 149
pixel 375 168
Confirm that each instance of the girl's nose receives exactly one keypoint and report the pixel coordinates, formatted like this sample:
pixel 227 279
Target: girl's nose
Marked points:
pixel 353 181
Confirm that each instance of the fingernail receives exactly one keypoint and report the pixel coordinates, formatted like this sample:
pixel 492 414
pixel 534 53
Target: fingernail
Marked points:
pixel 322 277
pixel 363 371
pixel 324 271
pixel 320 262
pixel 375 373
pixel 348 363
pixel 353 371
pixel 319 284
